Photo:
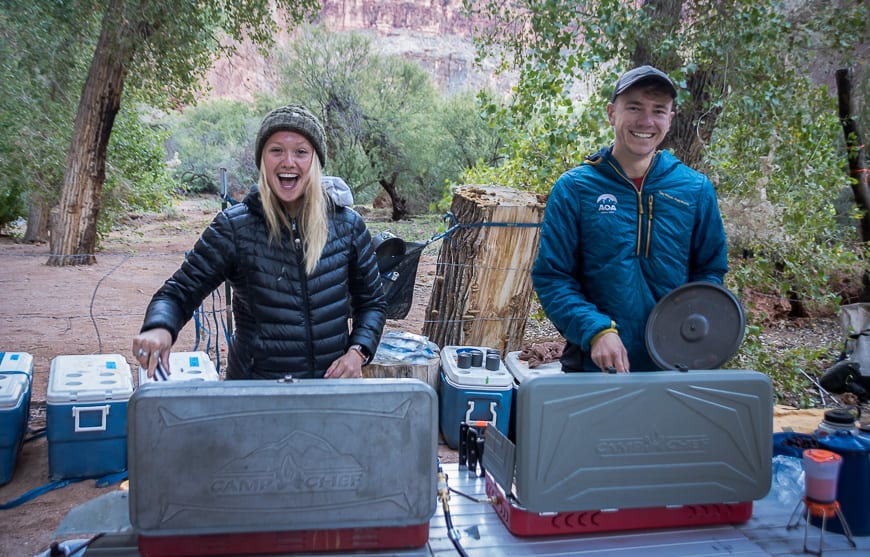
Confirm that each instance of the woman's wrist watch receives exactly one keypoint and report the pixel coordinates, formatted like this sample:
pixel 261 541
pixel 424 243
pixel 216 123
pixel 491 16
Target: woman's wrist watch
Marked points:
pixel 359 350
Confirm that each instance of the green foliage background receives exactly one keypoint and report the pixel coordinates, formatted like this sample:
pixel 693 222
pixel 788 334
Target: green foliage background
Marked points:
pixel 775 149
pixel 44 56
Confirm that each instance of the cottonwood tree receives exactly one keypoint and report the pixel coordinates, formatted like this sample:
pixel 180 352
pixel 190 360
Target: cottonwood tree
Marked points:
pixel 41 64
pixel 162 49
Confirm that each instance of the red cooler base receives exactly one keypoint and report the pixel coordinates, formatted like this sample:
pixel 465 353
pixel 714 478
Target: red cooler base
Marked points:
pixel 521 522
pixel 301 541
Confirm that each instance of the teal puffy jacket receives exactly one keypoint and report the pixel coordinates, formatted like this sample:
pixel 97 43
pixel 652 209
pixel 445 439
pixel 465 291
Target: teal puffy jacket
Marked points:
pixel 609 252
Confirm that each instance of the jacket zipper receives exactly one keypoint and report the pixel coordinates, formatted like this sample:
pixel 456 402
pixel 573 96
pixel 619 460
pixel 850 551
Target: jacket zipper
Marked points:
pixel 640 211
pixel 303 281
pixel 649 224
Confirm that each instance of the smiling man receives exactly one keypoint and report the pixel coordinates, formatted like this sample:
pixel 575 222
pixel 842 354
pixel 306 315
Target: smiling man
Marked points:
pixel 623 229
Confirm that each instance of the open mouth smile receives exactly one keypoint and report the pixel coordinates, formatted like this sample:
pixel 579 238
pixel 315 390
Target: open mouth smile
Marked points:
pixel 288 180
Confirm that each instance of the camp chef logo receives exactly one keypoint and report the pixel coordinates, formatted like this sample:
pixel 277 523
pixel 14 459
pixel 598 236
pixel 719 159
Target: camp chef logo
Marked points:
pixel 607 203
pixel 652 444
pixel 299 463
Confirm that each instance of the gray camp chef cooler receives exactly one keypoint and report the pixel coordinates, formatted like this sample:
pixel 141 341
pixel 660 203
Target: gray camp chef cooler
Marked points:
pixel 601 452
pixel 258 467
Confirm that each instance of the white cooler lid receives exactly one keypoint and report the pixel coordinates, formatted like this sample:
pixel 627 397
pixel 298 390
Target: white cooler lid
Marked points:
pixel 13 385
pixel 16 361
pixel 89 378
pixel 185 366
pixel 522 372
pixel 478 377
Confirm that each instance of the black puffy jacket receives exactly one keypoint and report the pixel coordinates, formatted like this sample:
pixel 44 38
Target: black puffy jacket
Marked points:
pixel 285 322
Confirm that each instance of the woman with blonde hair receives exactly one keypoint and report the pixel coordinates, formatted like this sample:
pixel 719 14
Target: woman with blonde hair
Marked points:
pixel 307 295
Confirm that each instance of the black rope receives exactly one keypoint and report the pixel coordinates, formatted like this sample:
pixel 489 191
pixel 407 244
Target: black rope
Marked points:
pixel 94 297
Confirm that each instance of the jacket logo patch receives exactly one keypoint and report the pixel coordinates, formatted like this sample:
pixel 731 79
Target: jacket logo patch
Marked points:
pixel 606 203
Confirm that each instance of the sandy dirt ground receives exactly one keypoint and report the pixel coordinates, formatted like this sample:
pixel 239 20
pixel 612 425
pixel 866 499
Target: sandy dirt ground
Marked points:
pixel 97 309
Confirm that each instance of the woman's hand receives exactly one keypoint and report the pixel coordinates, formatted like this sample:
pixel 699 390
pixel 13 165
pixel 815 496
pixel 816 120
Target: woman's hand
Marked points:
pixel 153 346
pixel 349 366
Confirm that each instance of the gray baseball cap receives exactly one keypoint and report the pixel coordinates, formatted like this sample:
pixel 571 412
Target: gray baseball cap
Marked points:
pixel 642 74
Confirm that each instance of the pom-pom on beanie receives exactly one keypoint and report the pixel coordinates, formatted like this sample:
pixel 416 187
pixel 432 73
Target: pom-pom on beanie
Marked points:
pixel 294 118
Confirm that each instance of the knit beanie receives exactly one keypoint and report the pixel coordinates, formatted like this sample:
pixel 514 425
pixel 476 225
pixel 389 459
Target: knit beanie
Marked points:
pixel 294 118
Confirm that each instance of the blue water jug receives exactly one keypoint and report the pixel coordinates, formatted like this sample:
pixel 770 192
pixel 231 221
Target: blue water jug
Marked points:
pixel 853 486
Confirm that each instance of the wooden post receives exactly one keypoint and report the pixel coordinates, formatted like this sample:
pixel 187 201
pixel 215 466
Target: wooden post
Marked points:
pixel 483 285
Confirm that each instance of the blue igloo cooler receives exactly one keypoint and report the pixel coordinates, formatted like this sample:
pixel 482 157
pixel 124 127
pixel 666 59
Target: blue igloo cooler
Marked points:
pixel 86 415
pixel 472 394
pixel 16 373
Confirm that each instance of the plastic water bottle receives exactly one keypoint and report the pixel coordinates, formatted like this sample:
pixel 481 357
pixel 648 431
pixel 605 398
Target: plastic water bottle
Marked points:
pixel 788 479
pixel 838 420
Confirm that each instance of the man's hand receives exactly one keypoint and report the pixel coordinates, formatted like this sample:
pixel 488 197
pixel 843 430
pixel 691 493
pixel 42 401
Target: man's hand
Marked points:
pixel 609 352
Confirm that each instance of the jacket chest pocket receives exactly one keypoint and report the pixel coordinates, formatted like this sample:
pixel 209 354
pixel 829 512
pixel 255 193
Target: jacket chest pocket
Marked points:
pixel 670 223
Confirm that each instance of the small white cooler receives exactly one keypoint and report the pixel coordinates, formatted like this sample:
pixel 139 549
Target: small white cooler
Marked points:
pixel 185 366
pixel 86 415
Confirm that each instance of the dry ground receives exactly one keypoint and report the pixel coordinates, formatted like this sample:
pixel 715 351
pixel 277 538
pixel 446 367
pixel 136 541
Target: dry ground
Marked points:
pixel 97 309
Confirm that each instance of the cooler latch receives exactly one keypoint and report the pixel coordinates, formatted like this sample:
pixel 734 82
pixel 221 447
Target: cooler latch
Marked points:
pixel 77 413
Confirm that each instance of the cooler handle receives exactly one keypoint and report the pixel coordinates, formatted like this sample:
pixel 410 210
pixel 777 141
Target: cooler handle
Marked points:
pixel 78 411
pixel 492 410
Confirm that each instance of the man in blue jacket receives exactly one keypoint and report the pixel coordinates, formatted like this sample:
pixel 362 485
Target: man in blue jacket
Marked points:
pixel 623 229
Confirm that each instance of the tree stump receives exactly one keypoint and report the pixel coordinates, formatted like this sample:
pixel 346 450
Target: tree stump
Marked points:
pixel 427 372
pixel 483 285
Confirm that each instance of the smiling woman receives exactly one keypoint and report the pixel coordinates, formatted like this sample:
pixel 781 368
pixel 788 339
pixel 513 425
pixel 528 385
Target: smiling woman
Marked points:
pixel 300 264
pixel 287 161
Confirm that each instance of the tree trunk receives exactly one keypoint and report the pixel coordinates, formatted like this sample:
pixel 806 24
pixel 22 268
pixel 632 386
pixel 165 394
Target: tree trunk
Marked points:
pixel 854 149
pixel 483 285
pixel 399 203
pixel 427 372
pixel 695 119
pixel 37 219
pixel 74 233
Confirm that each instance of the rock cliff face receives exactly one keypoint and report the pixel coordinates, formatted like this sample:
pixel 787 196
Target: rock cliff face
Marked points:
pixel 424 17
pixel 434 33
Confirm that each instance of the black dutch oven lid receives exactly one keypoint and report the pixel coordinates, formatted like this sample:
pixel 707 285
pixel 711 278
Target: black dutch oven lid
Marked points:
pixel 699 325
